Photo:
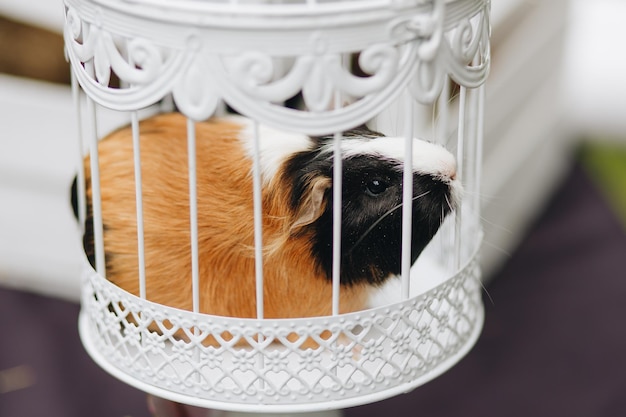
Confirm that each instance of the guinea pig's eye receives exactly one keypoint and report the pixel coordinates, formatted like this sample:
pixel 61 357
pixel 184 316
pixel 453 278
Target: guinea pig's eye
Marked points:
pixel 375 186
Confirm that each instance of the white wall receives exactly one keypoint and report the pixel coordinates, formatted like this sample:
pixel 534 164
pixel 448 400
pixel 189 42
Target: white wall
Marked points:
pixel 38 235
pixel 595 67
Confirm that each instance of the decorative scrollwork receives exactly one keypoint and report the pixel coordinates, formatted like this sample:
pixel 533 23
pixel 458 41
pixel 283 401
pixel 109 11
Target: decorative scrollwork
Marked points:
pixel 463 56
pixel 257 101
pixel 140 65
pixel 380 61
pixel 418 50
pixel 429 28
pixel 256 73
pixel 318 87
pixel 195 92
pixel 318 77
pixel 470 52
pixel 142 62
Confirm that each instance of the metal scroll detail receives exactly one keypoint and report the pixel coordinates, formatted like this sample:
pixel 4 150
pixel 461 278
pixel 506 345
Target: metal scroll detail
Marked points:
pixel 419 49
pixel 462 54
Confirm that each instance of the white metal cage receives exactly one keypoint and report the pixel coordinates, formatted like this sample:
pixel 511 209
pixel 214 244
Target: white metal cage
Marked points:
pixel 405 67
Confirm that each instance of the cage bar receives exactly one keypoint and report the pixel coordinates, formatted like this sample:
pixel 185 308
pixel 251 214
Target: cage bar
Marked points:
pixel 460 160
pixel 337 198
pixel 258 223
pixel 95 188
pixel 407 198
pixel 81 199
pixel 193 214
pixel 141 258
pixel 479 149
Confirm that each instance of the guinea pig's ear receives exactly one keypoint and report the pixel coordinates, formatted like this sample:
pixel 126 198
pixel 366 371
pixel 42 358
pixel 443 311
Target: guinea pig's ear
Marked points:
pixel 312 204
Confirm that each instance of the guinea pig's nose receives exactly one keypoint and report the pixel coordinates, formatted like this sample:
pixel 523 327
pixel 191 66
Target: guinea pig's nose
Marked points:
pixel 448 169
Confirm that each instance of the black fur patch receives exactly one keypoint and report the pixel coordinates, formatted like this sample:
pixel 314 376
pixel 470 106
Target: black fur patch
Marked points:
pixel 88 236
pixel 371 222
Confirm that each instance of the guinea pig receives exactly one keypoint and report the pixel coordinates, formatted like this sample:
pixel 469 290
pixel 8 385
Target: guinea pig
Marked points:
pixel 297 194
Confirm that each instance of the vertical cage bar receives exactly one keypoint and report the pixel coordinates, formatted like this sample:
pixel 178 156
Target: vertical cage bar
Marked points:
pixel 134 121
pixel 337 190
pixel 459 174
pixel 193 214
pixel 337 187
pixel 441 137
pixel 407 198
pixel 469 179
pixel 443 113
pixel 81 199
pixel 258 223
pixel 193 223
pixel 479 150
pixel 96 197
pixel 258 239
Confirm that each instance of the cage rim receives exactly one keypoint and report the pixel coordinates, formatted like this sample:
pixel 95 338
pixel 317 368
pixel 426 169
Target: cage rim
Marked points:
pixel 90 344
pixel 272 16
pixel 441 368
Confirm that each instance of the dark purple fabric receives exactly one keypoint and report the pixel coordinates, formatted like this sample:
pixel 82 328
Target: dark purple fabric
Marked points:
pixel 554 341
pixel 40 337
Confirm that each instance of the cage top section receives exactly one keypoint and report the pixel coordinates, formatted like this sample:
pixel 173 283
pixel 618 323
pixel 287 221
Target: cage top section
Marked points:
pixel 276 14
pixel 348 59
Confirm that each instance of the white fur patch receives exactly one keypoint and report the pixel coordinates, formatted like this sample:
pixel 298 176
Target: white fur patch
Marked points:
pixel 428 158
pixel 275 145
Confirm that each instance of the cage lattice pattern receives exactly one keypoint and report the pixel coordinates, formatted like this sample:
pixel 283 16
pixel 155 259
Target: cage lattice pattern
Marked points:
pixel 273 362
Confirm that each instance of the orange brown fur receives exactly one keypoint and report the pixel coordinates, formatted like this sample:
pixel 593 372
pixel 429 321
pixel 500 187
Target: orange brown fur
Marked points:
pixel 293 286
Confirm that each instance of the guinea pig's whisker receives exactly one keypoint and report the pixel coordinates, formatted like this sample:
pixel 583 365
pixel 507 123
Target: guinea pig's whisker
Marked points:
pixel 501 250
pixel 487 292
pixel 448 203
pixel 381 218
pixel 443 214
pixel 483 196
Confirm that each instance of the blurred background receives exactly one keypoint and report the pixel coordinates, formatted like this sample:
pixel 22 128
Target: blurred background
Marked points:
pixel 554 255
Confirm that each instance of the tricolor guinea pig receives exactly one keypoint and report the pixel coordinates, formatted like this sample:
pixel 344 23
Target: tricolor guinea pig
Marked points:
pixel 297 193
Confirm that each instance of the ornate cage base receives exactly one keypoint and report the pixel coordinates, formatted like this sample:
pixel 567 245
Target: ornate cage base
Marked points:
pixel 260 367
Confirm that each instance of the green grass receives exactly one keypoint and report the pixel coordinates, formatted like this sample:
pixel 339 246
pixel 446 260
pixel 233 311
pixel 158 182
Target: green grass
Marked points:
pixel 606 164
